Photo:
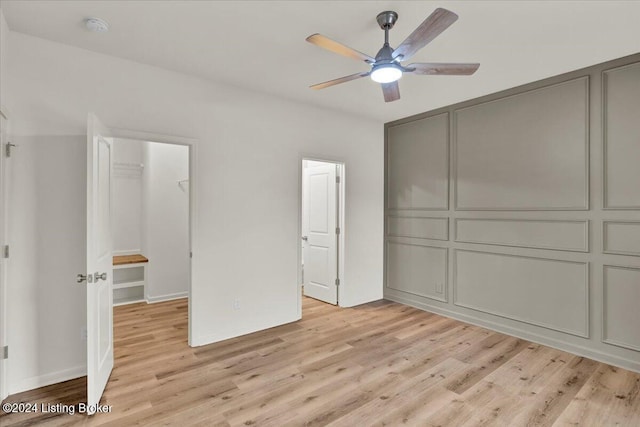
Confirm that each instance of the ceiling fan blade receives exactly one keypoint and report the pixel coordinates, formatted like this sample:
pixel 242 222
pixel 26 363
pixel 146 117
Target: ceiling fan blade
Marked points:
pixel 339 48
pixel 430 28
pixel 432 68
pixel 340 80
pixel 391 91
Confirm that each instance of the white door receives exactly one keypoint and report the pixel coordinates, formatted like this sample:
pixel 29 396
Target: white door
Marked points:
pixel 320 225
pixel 99 261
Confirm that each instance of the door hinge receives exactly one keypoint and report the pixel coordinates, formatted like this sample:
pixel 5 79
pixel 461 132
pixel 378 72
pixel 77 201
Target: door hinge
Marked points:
pixel 190 254
pixel 7 148
pixel 337 180
pixel 337 230
pixel 5 251
pixel 337 282
pixel 5 352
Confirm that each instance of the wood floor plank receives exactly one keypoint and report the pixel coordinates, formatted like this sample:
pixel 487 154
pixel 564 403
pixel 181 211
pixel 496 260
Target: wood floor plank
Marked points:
pixel 611 396
pixel 402 394
pixel 379 364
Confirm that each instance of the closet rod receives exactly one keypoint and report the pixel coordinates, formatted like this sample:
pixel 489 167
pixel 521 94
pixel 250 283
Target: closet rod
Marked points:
pixel 128 165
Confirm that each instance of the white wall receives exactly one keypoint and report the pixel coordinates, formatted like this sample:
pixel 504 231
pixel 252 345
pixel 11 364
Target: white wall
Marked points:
pixel 4 56
pixel 127 196
pixel 247 177
pixel 166 220
pixel 47 235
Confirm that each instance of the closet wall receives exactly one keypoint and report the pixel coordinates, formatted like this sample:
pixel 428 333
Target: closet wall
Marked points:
pixel 151 213
pixel 166 220
pixel 127 197
pixel 520 211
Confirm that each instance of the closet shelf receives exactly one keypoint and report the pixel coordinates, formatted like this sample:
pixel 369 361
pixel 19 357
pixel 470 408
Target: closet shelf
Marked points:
pixel 129 278
pixel 128 284
pixel 129 259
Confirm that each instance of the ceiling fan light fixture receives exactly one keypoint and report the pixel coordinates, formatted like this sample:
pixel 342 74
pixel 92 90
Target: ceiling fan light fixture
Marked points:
pixel 386 73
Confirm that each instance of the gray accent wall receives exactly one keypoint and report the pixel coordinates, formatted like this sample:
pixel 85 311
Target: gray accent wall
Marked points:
pixel 520 211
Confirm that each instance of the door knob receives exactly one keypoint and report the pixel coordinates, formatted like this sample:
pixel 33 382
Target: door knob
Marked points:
pixel 99 276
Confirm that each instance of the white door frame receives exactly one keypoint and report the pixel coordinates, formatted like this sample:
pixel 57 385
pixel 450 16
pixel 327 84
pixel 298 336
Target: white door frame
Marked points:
pixel 341 223
pixel 4 180
pixel 193 229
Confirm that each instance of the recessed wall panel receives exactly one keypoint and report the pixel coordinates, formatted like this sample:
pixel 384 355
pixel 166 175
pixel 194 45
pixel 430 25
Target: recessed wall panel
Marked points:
pixel 418 165
pixel 524 152
pixel 423 228
pixel 621 315
pixel 544 292
pixel 621 237
pixel 317 265
pixel 528 233
pixel 622 137
pixel 416 269
pixel 318 196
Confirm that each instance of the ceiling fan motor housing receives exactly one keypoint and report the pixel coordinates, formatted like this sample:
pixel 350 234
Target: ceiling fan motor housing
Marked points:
pixel 384 55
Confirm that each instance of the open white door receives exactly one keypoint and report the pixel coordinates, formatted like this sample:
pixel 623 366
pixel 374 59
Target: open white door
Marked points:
pixel 319 222
pixel 99 262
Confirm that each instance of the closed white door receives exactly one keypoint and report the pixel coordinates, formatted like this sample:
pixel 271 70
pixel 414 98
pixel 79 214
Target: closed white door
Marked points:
pixel 320 225
pixel 99 261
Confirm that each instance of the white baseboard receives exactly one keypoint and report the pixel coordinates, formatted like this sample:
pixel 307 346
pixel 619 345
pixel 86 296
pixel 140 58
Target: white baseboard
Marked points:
pixel 169 297
pixel 48 379
pixel 599 356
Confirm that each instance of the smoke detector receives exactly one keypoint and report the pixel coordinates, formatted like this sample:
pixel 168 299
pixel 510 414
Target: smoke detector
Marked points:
pixel 96 25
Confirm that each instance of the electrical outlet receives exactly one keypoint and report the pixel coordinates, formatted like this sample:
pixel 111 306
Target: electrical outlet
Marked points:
pixel 439 287
pixel 83 334
pixel 236 304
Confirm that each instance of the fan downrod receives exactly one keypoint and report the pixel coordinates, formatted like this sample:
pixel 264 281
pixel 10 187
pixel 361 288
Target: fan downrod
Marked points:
pixel 387 19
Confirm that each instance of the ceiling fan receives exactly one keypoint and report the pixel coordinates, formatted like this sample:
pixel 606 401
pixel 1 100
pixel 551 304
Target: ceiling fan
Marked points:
pixel 386 67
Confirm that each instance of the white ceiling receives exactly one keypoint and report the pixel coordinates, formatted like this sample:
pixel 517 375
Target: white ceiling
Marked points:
pixel 260 45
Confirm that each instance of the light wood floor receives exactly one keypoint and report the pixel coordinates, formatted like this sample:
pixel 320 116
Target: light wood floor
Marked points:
pixel 378 364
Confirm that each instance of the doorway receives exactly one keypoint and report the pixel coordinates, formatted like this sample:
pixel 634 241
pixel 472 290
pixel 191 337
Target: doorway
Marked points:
pixel 129 277
pixel 150 221
pixel 322 229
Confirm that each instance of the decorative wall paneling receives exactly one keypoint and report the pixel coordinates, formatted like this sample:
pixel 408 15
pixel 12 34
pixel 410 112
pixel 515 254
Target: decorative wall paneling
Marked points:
pixel 546 292
pixel 419 177
pixel 621 237
pixel 543 214
pixel 501 150
pixel 621 137
pixel 621 319
pixel 417 269
pixel 419 227
pixel 527 233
